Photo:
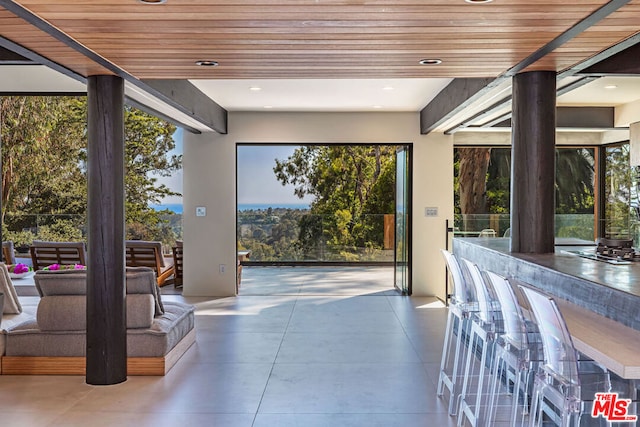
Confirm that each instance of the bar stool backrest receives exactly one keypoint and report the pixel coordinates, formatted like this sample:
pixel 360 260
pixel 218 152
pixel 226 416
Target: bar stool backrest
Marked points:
pixel 462 292
pixel 560 356
pixel 515 329
pixel 485 306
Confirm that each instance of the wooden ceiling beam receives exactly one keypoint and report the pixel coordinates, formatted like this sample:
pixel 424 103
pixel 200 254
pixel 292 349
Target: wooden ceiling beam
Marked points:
pixel 440 108
pixel 36 58
pixel 197 105
pixel 184 93
pixel 452 99
pixel 478 119
pixel 622 63
pixel 578 118
pixel 9 57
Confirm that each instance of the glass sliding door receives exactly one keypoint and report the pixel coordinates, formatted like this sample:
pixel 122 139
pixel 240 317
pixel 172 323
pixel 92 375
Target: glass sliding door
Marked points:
pixel 402 258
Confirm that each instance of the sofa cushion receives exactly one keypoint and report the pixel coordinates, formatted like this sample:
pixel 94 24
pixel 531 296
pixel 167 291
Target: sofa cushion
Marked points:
pixel 61 282
pixel 140 311
pixel 139 280
pixel 11 301
pixel 69 312
pixel 26 339
pixel 62 313
pixel 165 332
pixel 10 321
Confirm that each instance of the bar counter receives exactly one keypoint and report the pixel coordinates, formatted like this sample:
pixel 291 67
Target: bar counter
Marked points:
pixel 609 290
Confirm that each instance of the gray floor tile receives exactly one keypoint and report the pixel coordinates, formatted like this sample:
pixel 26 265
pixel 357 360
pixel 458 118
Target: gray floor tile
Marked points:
pixel 191 388
pixel 349 388
pixel 34 418
pixel 348 304
pixel 344 322
pixel 427 344
pixel 42 393
pixel 347 348
pixel 236 347
pixel 154 419
pixel 354 420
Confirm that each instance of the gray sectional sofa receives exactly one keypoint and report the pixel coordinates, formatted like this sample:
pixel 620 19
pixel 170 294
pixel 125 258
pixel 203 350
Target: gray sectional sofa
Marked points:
pixel 54 341
pixel 12 312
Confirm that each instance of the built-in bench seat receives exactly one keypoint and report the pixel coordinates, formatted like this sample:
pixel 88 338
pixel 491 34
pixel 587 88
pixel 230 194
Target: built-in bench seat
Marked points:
pixel 54 342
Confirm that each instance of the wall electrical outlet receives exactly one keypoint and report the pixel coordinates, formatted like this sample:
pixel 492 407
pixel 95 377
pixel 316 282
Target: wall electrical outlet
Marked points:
pixel 201 211
pixel 222 268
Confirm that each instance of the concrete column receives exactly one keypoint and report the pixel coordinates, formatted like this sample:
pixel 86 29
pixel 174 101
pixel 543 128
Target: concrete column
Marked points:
pixel 533 162
pixel 106 310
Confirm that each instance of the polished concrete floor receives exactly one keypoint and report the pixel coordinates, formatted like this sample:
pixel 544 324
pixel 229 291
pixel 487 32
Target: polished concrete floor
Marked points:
pixel 298 347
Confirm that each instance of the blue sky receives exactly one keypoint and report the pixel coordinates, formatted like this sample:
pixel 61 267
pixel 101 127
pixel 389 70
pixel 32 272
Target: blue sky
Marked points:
pixel 175 180
pixel 257 183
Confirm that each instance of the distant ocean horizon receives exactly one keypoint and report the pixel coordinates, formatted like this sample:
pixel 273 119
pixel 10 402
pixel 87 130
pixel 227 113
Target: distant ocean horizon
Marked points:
pixel 265 206
pixel 174 207
pixel 178 208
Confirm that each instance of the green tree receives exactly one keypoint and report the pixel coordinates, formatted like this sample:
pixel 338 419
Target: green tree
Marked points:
pixel 618 186
pixel 44 165
pixel 482 187
pixel 42 151
pixel 574 180
pixel 381 201
pixel 472 182
pixel 148 139
pixel 342 179
pixel 499 180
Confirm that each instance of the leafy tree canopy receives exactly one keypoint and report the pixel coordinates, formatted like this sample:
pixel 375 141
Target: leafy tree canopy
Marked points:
pixel 353 186
pixel 44 165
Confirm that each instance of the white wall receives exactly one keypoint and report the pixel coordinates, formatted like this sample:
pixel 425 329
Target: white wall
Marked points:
pixel 627 113
pixel 209 180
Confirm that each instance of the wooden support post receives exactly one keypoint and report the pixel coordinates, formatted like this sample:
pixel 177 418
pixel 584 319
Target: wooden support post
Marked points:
pixel 106 310
pixel 533 162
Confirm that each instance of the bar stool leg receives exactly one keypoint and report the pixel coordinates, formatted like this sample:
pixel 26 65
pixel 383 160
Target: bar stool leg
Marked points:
pixel 444 380
pixel 474 414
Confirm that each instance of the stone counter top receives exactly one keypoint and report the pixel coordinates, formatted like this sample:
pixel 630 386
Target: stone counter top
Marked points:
pixel 611 290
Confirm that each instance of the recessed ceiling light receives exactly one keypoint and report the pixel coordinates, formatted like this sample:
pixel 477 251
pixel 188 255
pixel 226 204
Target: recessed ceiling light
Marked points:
pixel 478 1
pixel 255 88
pixel 610 87
pixel 430 61
pixel 268 107
pixel 387 88
pixel 377 107
pixel 207 63
pixel 152 1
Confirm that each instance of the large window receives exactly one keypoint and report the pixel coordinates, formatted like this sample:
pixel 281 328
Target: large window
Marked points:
pixel 620 193
pixel 482 191
pixel 316 203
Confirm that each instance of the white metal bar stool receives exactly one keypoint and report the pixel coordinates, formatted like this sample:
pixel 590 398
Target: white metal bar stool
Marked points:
pixel 518 350
pixel 461 305
pixel 562 384
pixel 482 336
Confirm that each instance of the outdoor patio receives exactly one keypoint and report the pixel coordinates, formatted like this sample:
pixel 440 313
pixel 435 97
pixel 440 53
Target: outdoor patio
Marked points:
pixel 317 281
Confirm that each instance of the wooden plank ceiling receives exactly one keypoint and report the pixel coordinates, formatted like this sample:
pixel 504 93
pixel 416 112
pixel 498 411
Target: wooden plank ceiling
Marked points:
pixel 320 38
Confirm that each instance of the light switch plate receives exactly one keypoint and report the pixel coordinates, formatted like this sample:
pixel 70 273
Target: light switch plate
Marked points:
pixel 431 211
pixel 201 211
